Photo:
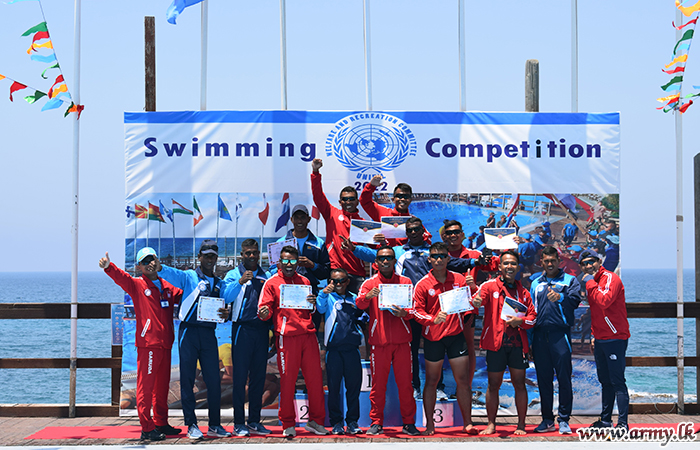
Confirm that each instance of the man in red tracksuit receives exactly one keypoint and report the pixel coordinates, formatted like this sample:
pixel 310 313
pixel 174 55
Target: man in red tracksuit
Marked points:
pixel 390 338
pixel 297 346
pixel 444 334
pixel 505 340
pixel 338 227
pixel 611 331
pixel 154 301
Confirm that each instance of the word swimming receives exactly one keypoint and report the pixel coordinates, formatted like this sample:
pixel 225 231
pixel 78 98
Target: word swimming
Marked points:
pixel 306 151
pixel 525 150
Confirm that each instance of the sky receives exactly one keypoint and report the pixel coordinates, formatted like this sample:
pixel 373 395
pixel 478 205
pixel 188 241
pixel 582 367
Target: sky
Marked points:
pixel 622 48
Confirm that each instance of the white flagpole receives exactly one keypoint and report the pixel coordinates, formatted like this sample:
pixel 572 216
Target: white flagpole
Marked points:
pixel 204 51
pixel 74 256
pixel 148 224
pixel 235 241
pixel 679 241
pixel 194 245
pixel 462 60
pixel 174 252
pixel 574 55
pixel 159 254
pixel 283 53
pixel 368 56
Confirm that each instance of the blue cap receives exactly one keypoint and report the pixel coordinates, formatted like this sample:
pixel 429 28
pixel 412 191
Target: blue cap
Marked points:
pixel 613 239
pixel 575 248
pixel 546 224
pixel 146 251
pixel 525 236
pixel 587 254
pixel 473 235
pixel 593 233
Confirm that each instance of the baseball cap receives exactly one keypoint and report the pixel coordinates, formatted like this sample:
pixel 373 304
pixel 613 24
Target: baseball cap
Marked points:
pixel 300 208
pixel 586 254
pixel 146 251
pixel 208 247
pixel 526 236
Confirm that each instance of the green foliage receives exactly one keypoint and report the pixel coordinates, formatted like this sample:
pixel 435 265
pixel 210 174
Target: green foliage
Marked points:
pixel 612 204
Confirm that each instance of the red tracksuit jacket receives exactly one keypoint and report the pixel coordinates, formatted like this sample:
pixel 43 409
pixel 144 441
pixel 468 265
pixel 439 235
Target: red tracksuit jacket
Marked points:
pixel 337 227
pixel 493 293
pixel 426 303
pixel 154 324
pixel 606 296
pixel 286 321
pixel 385 328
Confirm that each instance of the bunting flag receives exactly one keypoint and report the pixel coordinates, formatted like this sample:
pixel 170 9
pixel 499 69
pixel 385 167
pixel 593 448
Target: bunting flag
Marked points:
pixel 34 97
pixel 176 8
pixel 141 211
pixel 223 210
pixel 284 217
pixel 239 208
pixel 165 211
pixel 197 217
pixel 179 209
pixel 16 87
pixel 154 213
pixel 262 215
pixel 678 63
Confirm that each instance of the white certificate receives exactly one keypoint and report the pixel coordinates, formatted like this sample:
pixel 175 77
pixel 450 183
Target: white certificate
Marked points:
pixel 274 249
pixel 512 307
pixel 293 296
pixel 400 295
pixel 500 238
pixel 456 301
pixel 394 227
pixel 363 231
pixel 208 309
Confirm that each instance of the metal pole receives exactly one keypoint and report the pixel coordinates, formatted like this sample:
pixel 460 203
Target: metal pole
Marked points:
pixel 462 60
pixel 283 52
pixel 204 51
pixel 368 55
pixel 74 256
pixel 679 242
pixel 574 55
pixel 696 165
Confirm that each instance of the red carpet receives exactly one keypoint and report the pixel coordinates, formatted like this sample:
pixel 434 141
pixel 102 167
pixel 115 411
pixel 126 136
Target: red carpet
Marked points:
pixel 134 432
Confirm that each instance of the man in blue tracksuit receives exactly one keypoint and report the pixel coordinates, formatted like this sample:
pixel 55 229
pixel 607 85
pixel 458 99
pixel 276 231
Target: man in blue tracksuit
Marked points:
pixel 555 295
pixel 342 336
pixel 250 338
pixel 197 339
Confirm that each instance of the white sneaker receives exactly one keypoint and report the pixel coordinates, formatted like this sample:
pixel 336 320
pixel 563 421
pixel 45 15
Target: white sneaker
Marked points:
pixel 315 428
pixel 441 396
pixel 193 432
pixel 289 432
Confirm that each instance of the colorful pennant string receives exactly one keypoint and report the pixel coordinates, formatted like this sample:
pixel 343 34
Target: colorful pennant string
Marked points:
pixel 676 67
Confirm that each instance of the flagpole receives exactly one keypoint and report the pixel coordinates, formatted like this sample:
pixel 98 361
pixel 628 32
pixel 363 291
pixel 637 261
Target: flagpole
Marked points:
pixel 148 224
pixel 368 56
pixel 235 242
pixel 174 253
pixel 283 53
pixel 262 233
pixel 159 239
pixel 462 60
pixel 136 234
pixel 204 51
pixel 194 240
pixel 74 256
pixel 574 55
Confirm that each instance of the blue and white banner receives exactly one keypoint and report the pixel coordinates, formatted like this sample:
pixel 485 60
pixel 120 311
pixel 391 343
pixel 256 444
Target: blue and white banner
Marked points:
pixel 271 151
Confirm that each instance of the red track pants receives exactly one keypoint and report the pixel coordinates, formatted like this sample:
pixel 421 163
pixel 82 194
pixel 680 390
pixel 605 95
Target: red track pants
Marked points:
pixel 383 356
pixel 152 386
pixel 294 352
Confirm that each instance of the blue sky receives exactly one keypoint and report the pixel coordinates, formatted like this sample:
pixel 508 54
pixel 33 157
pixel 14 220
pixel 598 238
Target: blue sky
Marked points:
pixel 622 48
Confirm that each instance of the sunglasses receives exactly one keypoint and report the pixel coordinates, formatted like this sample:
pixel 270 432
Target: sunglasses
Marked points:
pixel 588 262
pixel 438 255
pixel 403 196
pixel 414 230
pixel 385 258
pixel 348 199
pixel 288 261
pixel 339 281
pixel 147 260
pixel 254 253
pixel 452 232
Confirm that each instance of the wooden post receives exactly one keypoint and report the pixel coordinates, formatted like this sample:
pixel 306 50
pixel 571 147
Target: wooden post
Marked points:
pixel 149 23
pixel 696 170
pixel 532 85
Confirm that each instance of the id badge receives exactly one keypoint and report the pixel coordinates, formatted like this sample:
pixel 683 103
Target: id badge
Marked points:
pixel 163 303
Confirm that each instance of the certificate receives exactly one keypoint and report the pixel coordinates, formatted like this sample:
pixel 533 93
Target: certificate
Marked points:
pixel 293 296
pixel 363 231
pixel 394 227
pixel 274 249
pixel 208 309
pixel 456 301
pixel 400 295
pixel 500 238
pixel 512 307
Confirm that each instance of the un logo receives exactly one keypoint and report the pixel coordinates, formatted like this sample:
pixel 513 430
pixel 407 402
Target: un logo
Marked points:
pixel 370 143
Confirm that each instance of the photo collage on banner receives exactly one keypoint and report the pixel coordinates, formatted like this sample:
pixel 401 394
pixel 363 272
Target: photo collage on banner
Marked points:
pixel 234 175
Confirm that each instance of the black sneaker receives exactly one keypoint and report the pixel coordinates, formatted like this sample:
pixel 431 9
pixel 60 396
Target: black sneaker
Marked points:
pixel 375 429
pixel 168 430
pixel 600 424
pixel 410 429
pixel 623 425
pixel 152 435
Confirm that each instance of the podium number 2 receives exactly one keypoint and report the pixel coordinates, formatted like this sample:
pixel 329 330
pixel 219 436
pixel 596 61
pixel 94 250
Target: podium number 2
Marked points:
pixel 304 412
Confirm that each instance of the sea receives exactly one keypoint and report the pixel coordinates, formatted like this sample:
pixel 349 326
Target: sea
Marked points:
pixel 48 338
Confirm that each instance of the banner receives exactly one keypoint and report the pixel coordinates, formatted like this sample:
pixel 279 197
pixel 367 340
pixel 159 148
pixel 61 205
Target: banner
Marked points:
pixel 232 175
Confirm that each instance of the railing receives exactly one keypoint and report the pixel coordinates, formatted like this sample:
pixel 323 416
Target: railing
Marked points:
pixel 103 311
